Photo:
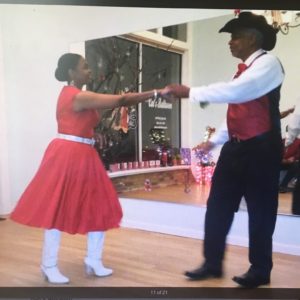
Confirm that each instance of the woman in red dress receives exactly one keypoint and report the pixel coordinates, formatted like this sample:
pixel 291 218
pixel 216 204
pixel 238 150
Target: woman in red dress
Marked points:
pixel 71 191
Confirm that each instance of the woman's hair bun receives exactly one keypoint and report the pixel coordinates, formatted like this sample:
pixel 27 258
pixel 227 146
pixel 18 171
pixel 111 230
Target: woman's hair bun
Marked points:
pixel 66 62
pixel 60 76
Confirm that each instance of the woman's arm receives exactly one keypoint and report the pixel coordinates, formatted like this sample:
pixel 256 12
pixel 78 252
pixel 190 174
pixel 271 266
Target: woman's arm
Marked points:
pixel 90 100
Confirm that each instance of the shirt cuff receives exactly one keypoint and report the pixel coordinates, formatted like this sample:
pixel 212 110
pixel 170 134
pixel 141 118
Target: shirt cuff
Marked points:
pixel 194 95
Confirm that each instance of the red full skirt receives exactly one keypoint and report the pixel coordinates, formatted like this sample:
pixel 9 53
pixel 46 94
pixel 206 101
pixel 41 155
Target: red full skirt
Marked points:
pixel 71 192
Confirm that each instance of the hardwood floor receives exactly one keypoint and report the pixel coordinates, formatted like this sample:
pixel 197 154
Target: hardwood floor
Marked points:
pixel 139 259
pixel 197 196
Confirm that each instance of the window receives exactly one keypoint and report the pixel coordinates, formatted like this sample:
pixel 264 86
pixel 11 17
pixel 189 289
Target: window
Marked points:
pixel 177 32
pixel 160 121
pixel 120 65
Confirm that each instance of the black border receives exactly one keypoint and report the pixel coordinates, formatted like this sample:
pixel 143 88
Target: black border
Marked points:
pixel 63 293
pixel 218 4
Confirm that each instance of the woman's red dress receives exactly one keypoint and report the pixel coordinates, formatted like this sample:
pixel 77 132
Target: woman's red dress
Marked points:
pixel 71 190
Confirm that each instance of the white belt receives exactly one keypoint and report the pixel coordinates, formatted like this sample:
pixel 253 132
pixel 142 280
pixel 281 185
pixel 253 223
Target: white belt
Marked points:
pixel 77 139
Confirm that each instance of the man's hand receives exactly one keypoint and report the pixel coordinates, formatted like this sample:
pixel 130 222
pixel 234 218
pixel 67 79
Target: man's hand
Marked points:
pixel 285 113
pixel 179 91
pixel 205 146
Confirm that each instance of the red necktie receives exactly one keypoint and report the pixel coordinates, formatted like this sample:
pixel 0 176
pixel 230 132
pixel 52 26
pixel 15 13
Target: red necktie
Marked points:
pixel 241 69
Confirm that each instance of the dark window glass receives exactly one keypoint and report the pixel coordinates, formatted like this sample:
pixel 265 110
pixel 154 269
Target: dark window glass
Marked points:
pixel 114 62
pixel 177 32
pixel 114 65
pixel 161 119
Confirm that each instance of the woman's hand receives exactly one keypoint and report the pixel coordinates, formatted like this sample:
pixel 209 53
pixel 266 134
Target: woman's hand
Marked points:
pixel 165 93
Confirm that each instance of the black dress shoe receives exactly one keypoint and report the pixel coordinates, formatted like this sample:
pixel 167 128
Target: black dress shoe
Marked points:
pixel 204 272
pixel 251 280
pixel 283 190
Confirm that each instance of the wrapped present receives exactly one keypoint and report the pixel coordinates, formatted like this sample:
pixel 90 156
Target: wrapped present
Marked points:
pixel 185 154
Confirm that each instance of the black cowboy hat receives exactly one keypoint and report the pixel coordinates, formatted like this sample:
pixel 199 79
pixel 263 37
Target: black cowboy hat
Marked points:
pixel 247 19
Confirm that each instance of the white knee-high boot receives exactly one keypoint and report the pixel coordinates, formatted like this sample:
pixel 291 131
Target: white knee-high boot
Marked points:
pixel 93 259
pixel 49 257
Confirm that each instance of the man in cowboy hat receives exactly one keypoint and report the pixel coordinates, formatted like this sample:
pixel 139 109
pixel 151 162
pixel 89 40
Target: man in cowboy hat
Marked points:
pixel 249 162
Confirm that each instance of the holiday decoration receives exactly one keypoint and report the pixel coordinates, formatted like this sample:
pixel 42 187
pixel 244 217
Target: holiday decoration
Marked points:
pixel 202 164
pixel 147 185
pixel 185 154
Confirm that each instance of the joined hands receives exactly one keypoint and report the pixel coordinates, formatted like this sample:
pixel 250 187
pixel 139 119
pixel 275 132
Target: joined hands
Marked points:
pixel 173 91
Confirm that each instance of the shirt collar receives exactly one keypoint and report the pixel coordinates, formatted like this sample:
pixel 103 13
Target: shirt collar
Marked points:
pixel 253 56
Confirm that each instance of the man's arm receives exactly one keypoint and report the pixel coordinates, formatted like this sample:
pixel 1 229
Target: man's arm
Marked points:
pixel 219 138
pixel 263 76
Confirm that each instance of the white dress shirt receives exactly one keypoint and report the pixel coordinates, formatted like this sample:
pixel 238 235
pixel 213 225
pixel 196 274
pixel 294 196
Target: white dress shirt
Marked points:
pixel 264 75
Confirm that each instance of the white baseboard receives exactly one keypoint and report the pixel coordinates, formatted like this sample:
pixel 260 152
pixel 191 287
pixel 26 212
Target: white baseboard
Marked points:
pixel 187 221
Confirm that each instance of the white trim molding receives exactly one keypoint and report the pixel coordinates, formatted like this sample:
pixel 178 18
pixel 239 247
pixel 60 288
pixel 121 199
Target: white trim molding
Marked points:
pixel 188 221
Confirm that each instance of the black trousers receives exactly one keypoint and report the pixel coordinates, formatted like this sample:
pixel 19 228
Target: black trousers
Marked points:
pixel 250 169
pixel 292 171
pixel 296 194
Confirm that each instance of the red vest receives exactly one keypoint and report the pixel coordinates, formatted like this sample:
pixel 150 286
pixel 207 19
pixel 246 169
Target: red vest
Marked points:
pixel 249 119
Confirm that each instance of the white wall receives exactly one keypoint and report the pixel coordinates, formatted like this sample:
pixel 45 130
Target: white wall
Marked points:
pixel 4 175
pixel 33 37
pixel 287 51
pixel 212 62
